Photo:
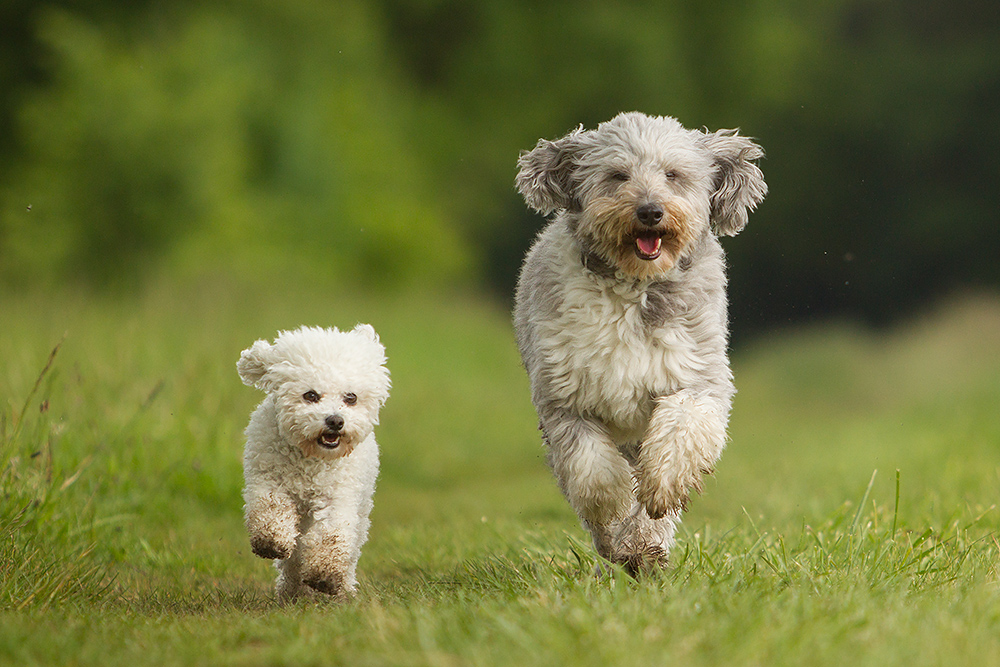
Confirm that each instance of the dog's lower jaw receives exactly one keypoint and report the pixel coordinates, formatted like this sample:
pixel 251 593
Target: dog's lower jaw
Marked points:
pixel 329 439
pixel 316 448
pixel 648 247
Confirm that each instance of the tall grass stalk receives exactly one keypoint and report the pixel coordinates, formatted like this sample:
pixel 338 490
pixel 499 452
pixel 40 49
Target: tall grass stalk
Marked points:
pixel 39 565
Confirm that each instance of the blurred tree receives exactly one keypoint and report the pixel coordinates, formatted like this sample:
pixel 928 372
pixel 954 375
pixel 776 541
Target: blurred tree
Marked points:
pixel 380 138
pixel 882 170
pixel 19 65
pixel 507 73
pixel 257 141
pixel 877 117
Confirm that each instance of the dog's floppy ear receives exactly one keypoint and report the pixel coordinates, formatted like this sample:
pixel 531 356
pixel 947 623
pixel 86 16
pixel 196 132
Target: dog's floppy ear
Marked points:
pixel 381 375
pixel 368 331
pixel 544 173
pixel 739 184
pixel 254 363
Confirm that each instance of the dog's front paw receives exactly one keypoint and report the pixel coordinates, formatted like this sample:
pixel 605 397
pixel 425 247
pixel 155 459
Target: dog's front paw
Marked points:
pixel 330 583
pixel 270 548
pixel 272 524
pixel 661 497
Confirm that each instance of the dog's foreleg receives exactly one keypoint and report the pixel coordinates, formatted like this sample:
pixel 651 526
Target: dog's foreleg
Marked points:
pixel 329 552
pixel 686 435
pixel 593 475
pixel 272 523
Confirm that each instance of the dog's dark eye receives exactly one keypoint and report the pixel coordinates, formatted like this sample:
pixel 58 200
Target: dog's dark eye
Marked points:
pixel 310 397
pixel 619 176
pixel 671 174
pixel 350 398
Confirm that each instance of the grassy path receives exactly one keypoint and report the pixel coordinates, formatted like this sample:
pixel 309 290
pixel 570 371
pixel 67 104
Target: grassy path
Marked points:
pixel 851 521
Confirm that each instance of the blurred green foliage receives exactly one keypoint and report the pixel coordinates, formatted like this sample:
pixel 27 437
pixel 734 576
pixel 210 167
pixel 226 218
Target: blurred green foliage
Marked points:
pixel 376 141
pixel 254 139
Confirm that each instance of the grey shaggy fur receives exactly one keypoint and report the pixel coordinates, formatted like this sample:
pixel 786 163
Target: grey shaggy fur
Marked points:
pixel 621 320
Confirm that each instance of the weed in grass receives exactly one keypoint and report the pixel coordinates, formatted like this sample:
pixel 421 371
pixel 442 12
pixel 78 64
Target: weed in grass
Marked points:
pixel 36 568
pixel 849 549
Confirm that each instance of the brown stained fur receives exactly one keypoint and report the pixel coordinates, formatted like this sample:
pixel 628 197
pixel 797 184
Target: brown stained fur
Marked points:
pixel 312 449
pixel 637 554
pixel 324 565
pixel 272 523
pixel 611 226
pixel 644 561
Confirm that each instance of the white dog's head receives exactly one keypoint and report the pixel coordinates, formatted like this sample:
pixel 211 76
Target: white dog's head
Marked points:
pixel 639 189
pixel 328 385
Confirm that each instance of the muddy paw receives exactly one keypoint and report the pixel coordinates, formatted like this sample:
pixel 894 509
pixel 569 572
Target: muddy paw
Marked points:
pixel 661 499
pixel 269 548
pixel 643 561
pixel 328 583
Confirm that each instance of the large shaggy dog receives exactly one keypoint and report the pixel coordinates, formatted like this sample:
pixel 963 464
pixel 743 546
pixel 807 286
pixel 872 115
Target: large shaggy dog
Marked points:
pixel 311 459
pixel 621 318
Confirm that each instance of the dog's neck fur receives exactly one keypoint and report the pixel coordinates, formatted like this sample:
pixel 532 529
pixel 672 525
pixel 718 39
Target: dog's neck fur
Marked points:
pixel 595 264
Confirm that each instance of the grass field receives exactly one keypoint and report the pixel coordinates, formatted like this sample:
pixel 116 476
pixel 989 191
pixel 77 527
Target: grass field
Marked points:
pixel 852 520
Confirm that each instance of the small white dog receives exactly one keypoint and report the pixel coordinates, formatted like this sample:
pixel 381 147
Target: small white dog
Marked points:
pixel 311 459
pixel 621 318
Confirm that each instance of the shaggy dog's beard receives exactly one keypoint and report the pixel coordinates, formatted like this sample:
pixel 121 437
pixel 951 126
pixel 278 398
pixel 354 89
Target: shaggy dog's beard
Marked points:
pixel 314 447
pixel 318 442
pixel 639 251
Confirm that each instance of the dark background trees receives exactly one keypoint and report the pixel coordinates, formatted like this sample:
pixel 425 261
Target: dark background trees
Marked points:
pixel 379 139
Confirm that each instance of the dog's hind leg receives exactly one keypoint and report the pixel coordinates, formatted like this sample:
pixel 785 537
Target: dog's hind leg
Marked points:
pixel 593 475
pixel 686 436
pixel 289 583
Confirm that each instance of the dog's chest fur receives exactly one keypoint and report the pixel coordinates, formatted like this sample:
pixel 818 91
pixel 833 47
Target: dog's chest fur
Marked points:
pixel 602 346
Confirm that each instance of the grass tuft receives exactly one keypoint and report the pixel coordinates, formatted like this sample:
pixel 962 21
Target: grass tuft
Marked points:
pixel 37 571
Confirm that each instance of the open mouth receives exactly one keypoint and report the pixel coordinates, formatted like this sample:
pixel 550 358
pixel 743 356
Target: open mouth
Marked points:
pixel 647 246
pixel 328 439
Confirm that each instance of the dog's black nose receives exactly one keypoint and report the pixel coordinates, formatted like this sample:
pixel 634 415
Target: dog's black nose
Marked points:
pixel 649 214
pixel 335 422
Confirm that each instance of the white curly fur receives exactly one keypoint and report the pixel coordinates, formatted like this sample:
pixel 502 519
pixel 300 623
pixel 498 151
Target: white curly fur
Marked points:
pixel 311 459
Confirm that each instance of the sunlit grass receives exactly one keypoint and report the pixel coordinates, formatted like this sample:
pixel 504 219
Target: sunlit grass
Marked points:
pixel 851 521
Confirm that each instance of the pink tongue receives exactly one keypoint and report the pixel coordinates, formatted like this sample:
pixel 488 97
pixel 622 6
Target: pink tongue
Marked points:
pixel 648 245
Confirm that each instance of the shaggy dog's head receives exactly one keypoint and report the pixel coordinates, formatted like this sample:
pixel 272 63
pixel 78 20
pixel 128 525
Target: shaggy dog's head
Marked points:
pixel 639 189
pixel 327 385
